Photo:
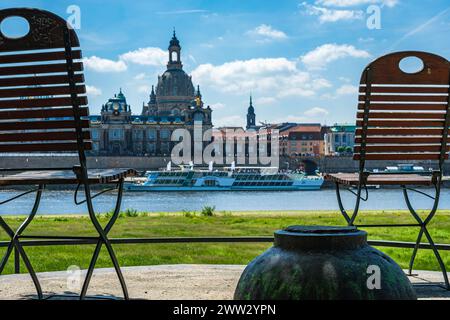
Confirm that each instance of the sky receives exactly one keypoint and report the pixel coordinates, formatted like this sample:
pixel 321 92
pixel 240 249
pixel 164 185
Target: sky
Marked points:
pixel 300 60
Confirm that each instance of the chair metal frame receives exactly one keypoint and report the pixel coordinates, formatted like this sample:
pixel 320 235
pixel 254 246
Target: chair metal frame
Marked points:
pixel 68 38
pixel 437 177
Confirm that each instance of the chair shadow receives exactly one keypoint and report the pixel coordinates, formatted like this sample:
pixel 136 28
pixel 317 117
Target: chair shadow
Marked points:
pixel 69 295
pixel 431 290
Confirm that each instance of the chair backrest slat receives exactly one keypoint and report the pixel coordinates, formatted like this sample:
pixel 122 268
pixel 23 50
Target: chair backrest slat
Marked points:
pixel 405 107
pixel 42 136
pixel 41 113
pixel 39 81
pixel 39 69
pixel 38 57
pixel 41 125
pixel 40 91
pixel 403 116
pixel 41 147
pixel 40 102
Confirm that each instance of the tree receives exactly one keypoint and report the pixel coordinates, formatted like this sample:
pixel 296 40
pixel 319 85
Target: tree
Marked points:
pixel 340 149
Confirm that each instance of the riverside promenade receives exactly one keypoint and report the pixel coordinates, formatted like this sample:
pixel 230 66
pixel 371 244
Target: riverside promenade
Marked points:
pixel 170 282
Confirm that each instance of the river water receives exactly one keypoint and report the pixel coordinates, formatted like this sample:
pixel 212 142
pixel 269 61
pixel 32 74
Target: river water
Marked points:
pixel 61 202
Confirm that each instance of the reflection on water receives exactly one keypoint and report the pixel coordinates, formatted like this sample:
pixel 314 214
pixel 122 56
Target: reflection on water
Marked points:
pixel 61 202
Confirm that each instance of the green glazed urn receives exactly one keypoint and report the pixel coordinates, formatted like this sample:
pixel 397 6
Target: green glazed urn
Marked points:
pixel 323 263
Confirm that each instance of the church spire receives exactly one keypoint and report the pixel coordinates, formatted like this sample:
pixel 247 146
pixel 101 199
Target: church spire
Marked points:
pixel 251 116
pixel 153 96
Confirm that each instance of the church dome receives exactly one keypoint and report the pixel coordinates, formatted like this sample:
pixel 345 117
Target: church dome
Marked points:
pixel 175 82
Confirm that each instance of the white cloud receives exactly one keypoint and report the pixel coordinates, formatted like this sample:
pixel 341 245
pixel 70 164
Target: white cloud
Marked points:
pixel 267 32
pixel 104 65
pixel 264 101
pixel 321 56
pixel 347 89
pixel 93 91
pixel 144 89
pixel 140 76
pixel 316 112
pixel 230 121
pixel 352 3
pixel 149 56
pixel 333 15
pixel 341 10
pixel 312 115
pixel 217 106
pixel 278 75
pixel 344 79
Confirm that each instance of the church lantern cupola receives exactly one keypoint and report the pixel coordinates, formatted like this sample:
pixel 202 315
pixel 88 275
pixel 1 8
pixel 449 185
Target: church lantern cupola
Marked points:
pixel 174 53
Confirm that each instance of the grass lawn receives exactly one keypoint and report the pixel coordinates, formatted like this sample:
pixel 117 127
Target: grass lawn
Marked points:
pixel 221 224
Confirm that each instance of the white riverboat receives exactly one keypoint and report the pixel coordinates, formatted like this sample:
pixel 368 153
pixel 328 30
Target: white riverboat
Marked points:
pixel 227 179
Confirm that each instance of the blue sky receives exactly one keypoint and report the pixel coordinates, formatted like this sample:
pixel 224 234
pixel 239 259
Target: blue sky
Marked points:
pixel 301 60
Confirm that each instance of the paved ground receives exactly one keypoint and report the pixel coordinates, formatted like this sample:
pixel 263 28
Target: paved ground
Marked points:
pixel 167 283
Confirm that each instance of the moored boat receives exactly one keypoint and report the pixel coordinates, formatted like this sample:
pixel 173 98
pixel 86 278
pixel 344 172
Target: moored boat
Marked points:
pixel 228 179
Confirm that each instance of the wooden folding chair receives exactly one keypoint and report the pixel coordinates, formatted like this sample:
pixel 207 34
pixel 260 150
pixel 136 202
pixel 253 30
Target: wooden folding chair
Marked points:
pixel 42 109
pixel 401 116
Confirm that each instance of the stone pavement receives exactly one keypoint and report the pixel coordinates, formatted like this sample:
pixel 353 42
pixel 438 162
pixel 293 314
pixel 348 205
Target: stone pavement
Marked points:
pixel 168 282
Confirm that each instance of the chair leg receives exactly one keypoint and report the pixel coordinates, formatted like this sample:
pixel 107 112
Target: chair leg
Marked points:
pixel 424 230
pixel 438 257
pixel 414 254
pixel 92 267
pixel 6 256
pixel 90 270
pixel 15 244
pixel 115 262
pixel 103 239
pixel 30 269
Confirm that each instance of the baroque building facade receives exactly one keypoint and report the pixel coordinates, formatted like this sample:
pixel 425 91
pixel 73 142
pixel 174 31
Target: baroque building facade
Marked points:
pixel 175 104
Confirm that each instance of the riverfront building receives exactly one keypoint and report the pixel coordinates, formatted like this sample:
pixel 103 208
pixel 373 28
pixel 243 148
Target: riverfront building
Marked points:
pixel 302 140
pixel 174 104
pixel 339 139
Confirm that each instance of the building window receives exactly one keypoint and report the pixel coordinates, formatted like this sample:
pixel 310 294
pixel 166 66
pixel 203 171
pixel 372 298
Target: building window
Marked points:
pixel 165 134
pixel 95 146
pixel 152 134
pixel 95 134
pixel 151 148
pixel 138 134
pixel 116 134
pixel 336 138
pixel 165 147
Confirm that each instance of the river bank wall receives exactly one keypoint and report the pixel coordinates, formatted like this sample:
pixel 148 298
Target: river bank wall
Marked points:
pixel 326 164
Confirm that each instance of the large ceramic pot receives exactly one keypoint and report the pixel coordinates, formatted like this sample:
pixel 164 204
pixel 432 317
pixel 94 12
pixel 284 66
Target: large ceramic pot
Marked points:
pixel 323 263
